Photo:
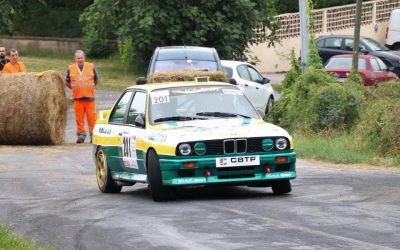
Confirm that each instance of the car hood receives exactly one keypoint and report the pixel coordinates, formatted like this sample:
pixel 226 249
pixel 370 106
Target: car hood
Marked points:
pixel 390 54
pixel 175 132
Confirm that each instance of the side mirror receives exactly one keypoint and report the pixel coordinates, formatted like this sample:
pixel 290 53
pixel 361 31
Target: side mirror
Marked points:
pixel 139 121
pixel 141 80
pixel 364 51
pixel 266 80
pixel 232 81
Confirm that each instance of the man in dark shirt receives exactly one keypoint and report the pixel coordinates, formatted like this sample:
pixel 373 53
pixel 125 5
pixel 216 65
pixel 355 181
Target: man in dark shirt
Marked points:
pixel 3 58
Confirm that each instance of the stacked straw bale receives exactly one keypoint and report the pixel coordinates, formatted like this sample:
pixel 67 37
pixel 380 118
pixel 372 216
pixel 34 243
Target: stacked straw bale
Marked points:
pixel 33 108
pixel 186 75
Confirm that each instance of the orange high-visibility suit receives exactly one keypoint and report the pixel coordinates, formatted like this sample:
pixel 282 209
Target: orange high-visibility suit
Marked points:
pixel 14 68
pixel 83 83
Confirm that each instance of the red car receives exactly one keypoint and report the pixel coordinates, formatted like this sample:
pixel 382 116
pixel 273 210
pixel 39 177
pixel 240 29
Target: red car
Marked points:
pixel 371 69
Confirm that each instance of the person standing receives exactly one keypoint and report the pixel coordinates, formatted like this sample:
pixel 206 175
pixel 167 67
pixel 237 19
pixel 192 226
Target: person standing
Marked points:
pixel 3 58
pixel 82 78
pixel 14 65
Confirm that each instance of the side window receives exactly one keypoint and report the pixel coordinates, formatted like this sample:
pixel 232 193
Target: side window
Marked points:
pixel 348 44
pixel 243 73
pixel 382 65
pixel 320 43
pixel 118 113
pixel 375 65
pixel 333 43
pixel 138 106
pixel 228 71
pixel 255 76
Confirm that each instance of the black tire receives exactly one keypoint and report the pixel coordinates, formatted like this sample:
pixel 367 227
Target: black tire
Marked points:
pixel 103 174
pixel 270 105
pixel 158 191
pixel 281 187
pixel 396 47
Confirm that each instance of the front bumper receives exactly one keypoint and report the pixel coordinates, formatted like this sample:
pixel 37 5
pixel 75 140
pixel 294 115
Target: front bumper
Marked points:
pixel 174 174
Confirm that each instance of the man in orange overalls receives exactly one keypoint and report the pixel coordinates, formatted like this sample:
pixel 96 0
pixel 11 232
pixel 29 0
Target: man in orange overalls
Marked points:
pixel 81 79
pixel 14 65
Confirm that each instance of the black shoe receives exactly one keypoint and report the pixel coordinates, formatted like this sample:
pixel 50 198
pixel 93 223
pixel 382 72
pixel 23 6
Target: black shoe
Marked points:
pixel 81 139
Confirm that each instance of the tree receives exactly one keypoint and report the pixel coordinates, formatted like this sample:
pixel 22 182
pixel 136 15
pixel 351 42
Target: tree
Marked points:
pixel 226 25
pixel 8 10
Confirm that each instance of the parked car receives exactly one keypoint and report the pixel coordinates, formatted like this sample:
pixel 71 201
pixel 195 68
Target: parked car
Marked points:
pixel 174 58
pixel 371 69
pixel 393 31
pixel 332 45
pixel 171 135
pixel 256 87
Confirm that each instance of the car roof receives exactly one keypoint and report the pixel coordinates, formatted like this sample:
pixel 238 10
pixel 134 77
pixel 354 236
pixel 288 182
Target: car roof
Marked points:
pixel 185 47
pixel 232 63
pixel 350 56
pixel 342 36
pixel 153 86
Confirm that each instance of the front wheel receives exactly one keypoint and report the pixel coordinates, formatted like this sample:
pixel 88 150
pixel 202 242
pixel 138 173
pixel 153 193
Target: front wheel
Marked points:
pixel 281 187
pixel 103 174
pixel 158 191
pixel 270 105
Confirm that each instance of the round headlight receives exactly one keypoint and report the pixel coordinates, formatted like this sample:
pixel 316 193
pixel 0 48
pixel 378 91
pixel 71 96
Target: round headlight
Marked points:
pixel 281 143
pixel 185 149
pixel 200 148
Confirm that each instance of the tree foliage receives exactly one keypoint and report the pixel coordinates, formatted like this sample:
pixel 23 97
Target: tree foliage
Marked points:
pixel 9 9
pixel 227 26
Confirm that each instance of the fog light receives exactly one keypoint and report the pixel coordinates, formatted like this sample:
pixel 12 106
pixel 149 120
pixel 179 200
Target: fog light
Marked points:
pixel 267 170
pixel 281 159
pixel 189 164
pixel 207 173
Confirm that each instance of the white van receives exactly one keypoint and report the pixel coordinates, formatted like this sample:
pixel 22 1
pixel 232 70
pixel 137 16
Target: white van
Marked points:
pixel 393 31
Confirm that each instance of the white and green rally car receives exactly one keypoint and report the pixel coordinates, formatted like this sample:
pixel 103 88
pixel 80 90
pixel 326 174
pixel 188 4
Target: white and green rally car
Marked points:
pixel 189 133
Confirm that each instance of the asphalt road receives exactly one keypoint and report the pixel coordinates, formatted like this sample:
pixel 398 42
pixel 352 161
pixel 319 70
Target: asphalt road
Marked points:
pixel 49 194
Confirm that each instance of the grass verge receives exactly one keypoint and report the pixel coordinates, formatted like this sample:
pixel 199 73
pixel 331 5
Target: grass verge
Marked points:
pixel 340 148
pixel 8 240
pixel 111 72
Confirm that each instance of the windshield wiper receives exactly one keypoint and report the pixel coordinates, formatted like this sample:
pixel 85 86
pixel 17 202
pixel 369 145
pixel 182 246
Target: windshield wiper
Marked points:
pixel 221 114
pixel 178 118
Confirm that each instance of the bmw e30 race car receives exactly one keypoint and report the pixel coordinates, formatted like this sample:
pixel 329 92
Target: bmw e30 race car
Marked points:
pixel 189 133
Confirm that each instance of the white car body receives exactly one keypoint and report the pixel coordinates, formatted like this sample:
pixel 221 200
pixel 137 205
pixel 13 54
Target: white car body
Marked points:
pixel 256 88
pixel 393 31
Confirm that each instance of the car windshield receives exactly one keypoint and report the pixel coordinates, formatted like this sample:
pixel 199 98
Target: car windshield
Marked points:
pixel 199 103
pixel 174 65
pixel 374 45
pixel 180 59
pixel 344 62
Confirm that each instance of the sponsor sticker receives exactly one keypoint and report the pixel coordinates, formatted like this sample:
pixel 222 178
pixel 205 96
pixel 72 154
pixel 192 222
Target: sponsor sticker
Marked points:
pixel 232 92
pixel 160 97
pixel 237 161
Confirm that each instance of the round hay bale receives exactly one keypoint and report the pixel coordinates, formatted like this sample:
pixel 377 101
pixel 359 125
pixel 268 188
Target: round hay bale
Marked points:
pixel 186 75
pixel 33 108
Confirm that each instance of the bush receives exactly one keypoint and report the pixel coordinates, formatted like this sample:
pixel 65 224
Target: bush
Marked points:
pixel 380 122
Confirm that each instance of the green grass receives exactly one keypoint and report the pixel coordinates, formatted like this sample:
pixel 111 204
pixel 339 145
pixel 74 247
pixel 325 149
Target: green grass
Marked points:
pixel 111 72
pixel 339 148
pixel 9 240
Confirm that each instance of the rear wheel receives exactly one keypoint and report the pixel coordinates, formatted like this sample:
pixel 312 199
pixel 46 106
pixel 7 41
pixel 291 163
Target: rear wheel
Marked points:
pixel 103 174
pixel 158 191
pixel 281 187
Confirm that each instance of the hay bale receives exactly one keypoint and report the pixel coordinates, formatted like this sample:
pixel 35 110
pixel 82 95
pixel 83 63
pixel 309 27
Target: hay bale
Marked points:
pixel 185 75
pixel 33 108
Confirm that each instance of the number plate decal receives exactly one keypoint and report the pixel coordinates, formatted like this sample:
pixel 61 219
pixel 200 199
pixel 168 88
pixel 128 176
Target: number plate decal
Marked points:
pixel 237 161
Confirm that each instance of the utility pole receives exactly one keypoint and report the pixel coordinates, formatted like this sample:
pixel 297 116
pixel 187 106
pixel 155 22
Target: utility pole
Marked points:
pixel 303 34
pixel 356 41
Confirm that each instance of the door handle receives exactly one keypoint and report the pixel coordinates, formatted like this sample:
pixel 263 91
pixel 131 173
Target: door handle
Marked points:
pixel 246 85
pixel 257 88
pixel 122 133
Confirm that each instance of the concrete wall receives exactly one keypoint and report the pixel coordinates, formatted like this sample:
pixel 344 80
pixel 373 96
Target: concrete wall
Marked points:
pixel 43 44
